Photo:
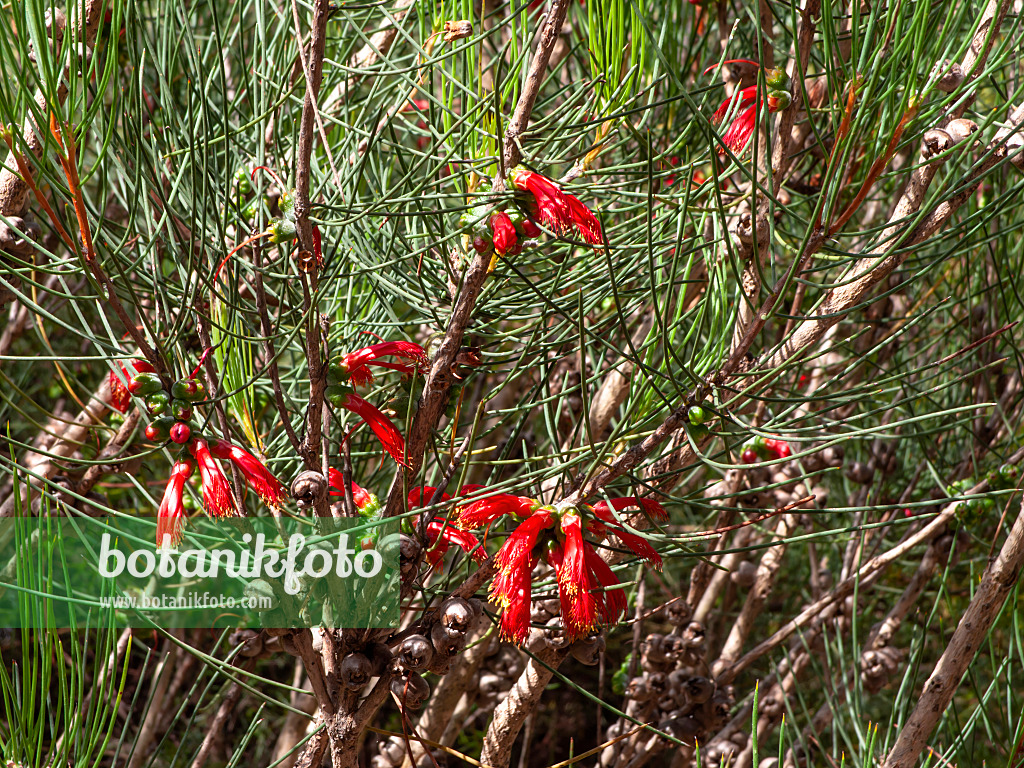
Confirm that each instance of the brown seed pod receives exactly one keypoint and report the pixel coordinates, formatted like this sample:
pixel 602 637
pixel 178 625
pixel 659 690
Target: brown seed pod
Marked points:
pixel 961 129
pixel 356 671
pixel 411 691
pixel 699 689
pixel 686 729
pixel 380 656
pixel 446 641
pixel 588 651
pixel 415 652
pixel 440 662
pixel 744 575
pixel 308 488
pixel 693 634
pixel 679 613
pixel 457 614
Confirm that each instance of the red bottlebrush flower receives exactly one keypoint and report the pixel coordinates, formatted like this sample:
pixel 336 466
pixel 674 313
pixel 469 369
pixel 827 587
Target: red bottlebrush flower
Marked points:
pixel 511 588
pixel 381 425
pixel 442 534
pixel 613 601
pixel 487 510
pixel 649 507
pixel 637 544
pixel 259 478
pixel 515 596
pixel 559 210
pixel 520 542
pixel 575 586
pixel 217 497
pixel 120 397
pixel 504 233
pixel 748 101
pixel 171 518
pixel 354 364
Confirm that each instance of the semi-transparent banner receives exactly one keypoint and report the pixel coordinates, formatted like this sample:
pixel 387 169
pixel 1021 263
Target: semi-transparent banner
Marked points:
pixel 66 572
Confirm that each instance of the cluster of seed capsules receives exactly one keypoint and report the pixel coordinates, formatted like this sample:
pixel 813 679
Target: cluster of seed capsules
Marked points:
pixel 172 410
pixel 428 650
pixel 670 691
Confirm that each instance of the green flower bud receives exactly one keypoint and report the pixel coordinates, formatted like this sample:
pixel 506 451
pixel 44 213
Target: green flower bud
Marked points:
pixel 158 403
pixel 143 384
pixel 287 203
pixel 281 231
pixel 188 389
pixel 181 410
pixel 243 181
pixel 697 414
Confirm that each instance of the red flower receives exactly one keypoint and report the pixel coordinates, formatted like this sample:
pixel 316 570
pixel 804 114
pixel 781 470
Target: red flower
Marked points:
pixel 258 477
pixel 748 102
pixel 575 587
pixel 120 397
pixel 441 534
pixel 360 496
pixel 587 588
pixel 489 509
pixel 217 496
pixel 171 518
pixel 504 233
pixel 559 210
pixel 422 494
pixel 511 588
pixel 354 364
pixel 381 425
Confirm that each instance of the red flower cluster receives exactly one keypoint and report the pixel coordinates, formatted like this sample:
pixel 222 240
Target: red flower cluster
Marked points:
pixel 354 364
pixel 120 397
pixel 258 477
pixel 587 587
pixel 765 449
pixel 558 210
pixel 171 518
pixel 738 134
pixel 217 497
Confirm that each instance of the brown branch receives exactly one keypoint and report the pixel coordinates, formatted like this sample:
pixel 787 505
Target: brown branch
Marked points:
pixel 996 583
pixel 439 378
pixel 538 69
pixel 268 346
pixel 510 715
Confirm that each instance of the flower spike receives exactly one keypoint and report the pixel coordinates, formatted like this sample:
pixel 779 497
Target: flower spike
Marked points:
pixel 217 498
pixel 170 522
pixel 259 478
pixel 390 438
pixel 441 534
pixel 354 364
pixel 556 208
